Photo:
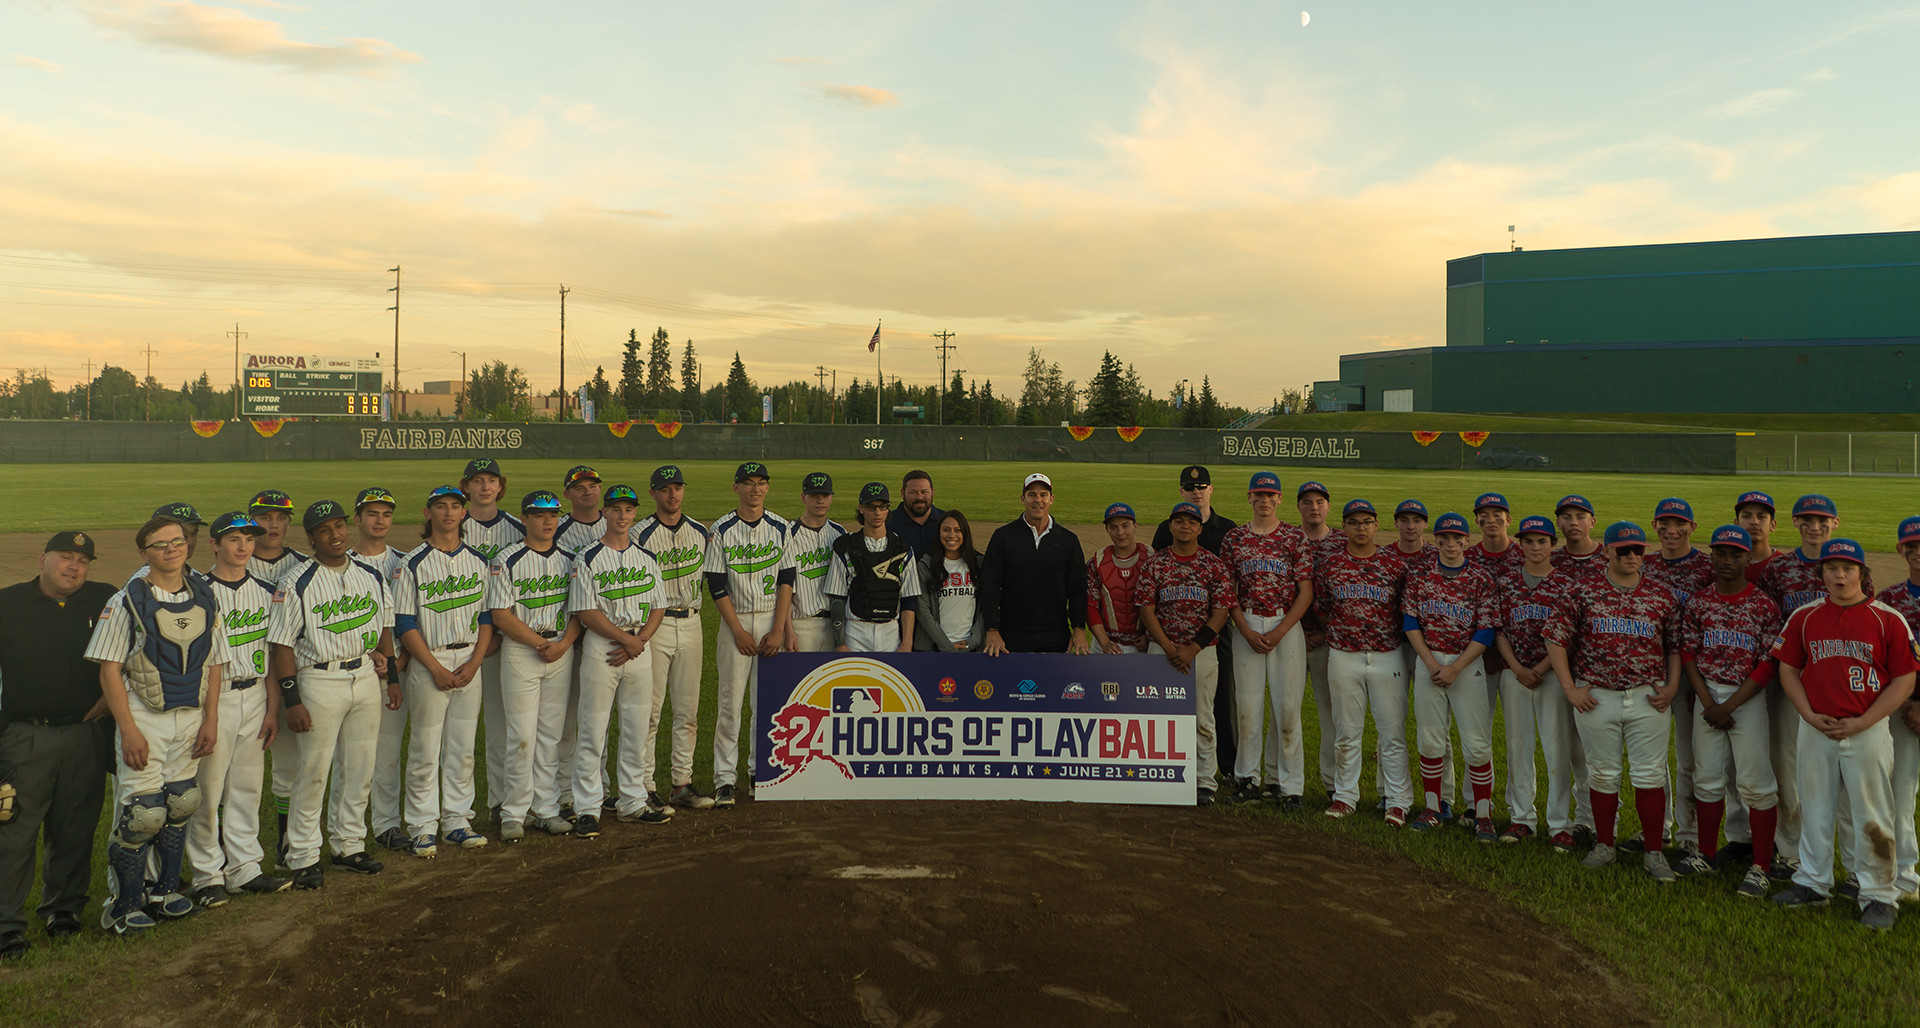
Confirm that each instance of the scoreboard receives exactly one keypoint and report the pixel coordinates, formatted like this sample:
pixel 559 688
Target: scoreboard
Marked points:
pixel 281 386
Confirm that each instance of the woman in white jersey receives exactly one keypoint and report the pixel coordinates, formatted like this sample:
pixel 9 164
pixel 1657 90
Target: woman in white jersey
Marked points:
pixel 951 620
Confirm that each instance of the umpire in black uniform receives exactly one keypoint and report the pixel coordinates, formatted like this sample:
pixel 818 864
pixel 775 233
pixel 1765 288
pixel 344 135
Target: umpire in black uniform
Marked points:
pixel 1196 487
pixel 1033 581
pixel 56 743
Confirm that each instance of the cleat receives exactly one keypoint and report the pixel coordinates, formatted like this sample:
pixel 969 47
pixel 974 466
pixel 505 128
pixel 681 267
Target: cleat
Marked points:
pixel 1658 869
pixel 1427 821
pixel 1600 856
pixel 1292 804
pixel 1879 916
pixel 493 815
pixel 62 925
pixel 362 863
pixel 689 797
pixel 309 877
pixel 1204 798
pixel 1584 835
pixel 1798 897
pixel 1754 885
pixel 1396 817
pixel 265 885
pixel 723 797
pixel 1849 889
pixel 1381 806
pixel 1562 842
pixel 1446 812
pixel 554 825
pixel 1272 793
pixel 127 926
pixel 512 831
pixel 1735 854
pixel 1691 864
pixel 1634 843
pixel 647 816
pixel 1245 791
pixel 426 847
pixel 1782 869
pixel 1483 831
pixel 566 812
pixel 610 802
pixel 656 802
pixel 207 897
pixel 586 826
pixel 466 839
pixel 395 839
pixel 1516 832
pixel 172 906
pixel 13 944
pixel 1339 809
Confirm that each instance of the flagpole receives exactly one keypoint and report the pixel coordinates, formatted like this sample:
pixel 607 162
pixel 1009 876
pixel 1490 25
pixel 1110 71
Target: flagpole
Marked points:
pixel 878 378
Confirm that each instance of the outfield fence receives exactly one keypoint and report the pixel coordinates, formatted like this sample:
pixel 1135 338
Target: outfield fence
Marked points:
pixel 1830 453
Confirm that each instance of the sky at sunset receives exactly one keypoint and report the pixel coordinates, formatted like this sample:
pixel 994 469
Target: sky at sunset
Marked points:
pixel 1203 188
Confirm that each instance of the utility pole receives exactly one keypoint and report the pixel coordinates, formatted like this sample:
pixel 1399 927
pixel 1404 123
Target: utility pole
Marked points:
pixel 147 385
pixel 89 389
pixel 944 347
pixel 833 405
pixel 395 412
pixel 463 381
pixel 820 372
pixel 237 336
pixel 562 416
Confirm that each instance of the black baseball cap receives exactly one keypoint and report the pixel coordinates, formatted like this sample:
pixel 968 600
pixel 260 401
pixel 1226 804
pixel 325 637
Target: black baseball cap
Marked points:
pixel 751 469
pixel 1195 475
pixel 71 542
pixel 271 499
pixel 666 475
pixel 483 466
pixel 540 499
pixel 235 521
pixel 579 473
pixel 321 512
pixel 179 510
pixel 374 494
pixel 817 483
pixel 874 492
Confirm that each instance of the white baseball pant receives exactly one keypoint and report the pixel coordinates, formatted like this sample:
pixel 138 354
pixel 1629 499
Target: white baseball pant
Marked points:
pixel 1206 681
pixel 678 651
pixel 1862 768
pixel 1682 811
pixel 345 708
pixel 533 703
pixel 738 674
pixel 170 736
pixel 1323 714
pixel 1739 753
pixel 389 768
pixel 1358 681
pixel 1279 674
pixel 1906 784
pixel 440 756
pixel 494 711
pixel 1624 719
pixel 604 687
pixel 872 636
pixel 1544 713
pixel 223 846
pixel 815 635
pixel 1783 720
pixel 1449 784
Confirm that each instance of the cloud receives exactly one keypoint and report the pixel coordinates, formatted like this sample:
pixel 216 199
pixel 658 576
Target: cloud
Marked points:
pixel 861 97
pixel 1753 103
pixel 800 62
pixel 36 63
pixel 223 32
pixel 1823 75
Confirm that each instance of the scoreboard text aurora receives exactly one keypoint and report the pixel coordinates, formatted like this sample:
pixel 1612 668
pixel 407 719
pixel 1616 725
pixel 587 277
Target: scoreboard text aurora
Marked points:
pixel 279 386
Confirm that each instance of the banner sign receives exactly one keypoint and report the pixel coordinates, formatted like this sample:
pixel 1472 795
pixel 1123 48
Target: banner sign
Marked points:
pixel 966 726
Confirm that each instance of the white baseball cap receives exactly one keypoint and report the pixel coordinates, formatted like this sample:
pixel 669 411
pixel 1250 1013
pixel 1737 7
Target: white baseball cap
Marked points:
pixel 1037 477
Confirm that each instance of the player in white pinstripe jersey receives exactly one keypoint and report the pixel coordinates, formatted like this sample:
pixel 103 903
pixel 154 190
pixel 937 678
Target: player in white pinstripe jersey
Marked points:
pixel 749 570
pixel 810 630
pixel 331 630
pixel 440 615
pixel 190 519
pixel 578 530
pixel 272 561
pixel 528 586
pixel 489 529
pixel 679 545
pixel 223 845
pixel 372 521
pixel 615 593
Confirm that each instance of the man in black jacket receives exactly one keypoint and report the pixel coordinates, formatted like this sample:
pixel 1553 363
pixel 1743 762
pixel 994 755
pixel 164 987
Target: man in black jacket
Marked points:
pixel 1033 581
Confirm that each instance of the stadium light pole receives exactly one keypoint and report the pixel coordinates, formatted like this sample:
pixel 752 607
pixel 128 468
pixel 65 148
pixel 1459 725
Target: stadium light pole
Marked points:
pixel 463 380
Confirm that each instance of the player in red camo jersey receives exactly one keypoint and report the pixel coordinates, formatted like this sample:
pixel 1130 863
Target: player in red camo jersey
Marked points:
pixel 1448 612
pixel 1725 632
pixel 1272 568
pixel 1614 643
pixel 1500 554
pixel 1582 556
pixel 1848 663
pixel 1112 613
pixel 1684 569
pixel 1904 597
pixel 1753 512
pixel 1315 503
pixel 1185 597
pixel 1360 586
pixel 1534 701
pixel 1410 544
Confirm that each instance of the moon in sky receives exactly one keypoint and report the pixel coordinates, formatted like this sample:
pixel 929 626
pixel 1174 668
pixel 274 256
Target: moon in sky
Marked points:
pixel 1304 18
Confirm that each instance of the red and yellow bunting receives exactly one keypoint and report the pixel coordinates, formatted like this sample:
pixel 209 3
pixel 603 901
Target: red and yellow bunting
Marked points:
pixel 1080 433
pixel 1130 432
pixel 1474 438
pixel 269 427
pixel 619 428
pixel 668 429
pixel 1424 438
pixel 208 429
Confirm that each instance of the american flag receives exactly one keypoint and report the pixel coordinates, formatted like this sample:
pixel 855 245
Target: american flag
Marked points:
pixel 874 343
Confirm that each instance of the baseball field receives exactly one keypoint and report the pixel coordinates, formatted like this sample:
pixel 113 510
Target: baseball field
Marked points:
pixel 968 913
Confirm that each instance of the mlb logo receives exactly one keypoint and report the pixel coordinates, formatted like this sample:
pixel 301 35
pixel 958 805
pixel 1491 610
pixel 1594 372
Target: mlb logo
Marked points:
pixel 862 699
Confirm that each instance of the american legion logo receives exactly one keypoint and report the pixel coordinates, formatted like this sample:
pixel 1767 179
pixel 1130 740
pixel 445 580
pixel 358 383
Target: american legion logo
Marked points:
pixel 834 697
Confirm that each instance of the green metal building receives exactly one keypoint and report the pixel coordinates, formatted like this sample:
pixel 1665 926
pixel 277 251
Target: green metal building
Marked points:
pixel 1811 324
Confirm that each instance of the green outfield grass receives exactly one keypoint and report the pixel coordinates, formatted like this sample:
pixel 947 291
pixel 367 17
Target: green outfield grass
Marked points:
pixel 1383 421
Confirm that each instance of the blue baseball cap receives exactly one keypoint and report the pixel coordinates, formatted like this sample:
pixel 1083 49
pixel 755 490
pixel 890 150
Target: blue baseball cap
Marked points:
pixel 1486 500
pixel 1755 496
pixel 1843 549
pixel 1191 510
pixel 1118 510
pixel 1674 507
pixel 1815 503
pixel 1732 535
pixel 447 490
pixel 619 494
pixel 1450 523
pixel 1624 533
pixel 1573 500
pixel 1537 525
pixel 1358 505
pixel 1263 482
pixel 1410 507
pixel 539 499
pixel 235 521
pixel 1910 529
pixel 1311 487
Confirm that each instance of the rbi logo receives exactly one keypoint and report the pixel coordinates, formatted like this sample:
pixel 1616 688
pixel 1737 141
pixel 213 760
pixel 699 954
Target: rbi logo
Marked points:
pixel 983 689
pixel 1110 691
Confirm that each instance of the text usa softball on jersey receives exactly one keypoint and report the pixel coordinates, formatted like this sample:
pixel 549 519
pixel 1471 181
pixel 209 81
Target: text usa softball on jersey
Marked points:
pixel 533 584
pixel 328 614
pixel 748 561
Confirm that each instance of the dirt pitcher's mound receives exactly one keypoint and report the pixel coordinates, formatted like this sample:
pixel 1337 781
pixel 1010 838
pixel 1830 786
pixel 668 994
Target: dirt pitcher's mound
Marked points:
pixel 897 914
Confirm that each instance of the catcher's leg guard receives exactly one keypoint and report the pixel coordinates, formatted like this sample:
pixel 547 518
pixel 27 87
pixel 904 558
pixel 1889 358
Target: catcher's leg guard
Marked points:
pixel 183 798
pixel 140 821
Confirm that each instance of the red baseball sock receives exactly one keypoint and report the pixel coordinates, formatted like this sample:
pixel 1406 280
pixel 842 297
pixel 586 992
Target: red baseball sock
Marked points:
pixel 1606 808
pixel 1763 822
pixel 1651 804
pixel 1432 769
pixel 1480 777
pixel 1711 813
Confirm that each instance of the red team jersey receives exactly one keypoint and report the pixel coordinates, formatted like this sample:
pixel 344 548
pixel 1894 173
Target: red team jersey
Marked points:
pixel 1682 577
pixel 1362 597
pixel 1757 569
pixel 1616 640
pixel 1511 557
pixel 1451 608
pixel 1267 569
pixel 1110 602
pixel 1419 560
pixel 1183 591
pixel 1591 565
pixel 1846 655
pixel 1727 637
pixel 1316 617
pixel 1524 611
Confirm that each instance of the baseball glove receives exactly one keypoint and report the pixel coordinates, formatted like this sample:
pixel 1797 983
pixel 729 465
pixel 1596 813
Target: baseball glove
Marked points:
pixel 8 805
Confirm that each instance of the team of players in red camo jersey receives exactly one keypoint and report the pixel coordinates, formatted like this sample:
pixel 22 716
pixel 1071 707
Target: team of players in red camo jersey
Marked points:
pixel 1779 679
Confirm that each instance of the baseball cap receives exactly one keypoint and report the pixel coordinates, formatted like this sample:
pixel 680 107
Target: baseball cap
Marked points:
pixel 666 475
pixel 1624 533
pixel 540 499
pixel 1263 482
pixel 1674 507
pixel 1450 523
pixel 873 492
pixel 235 521
pixel 71 542
pixel 1815 503
pixel 1755 496
pixel 817 483
pixel 1537 525
pixel 619 494
pixel 1311 487
pixel 271 499
pixel 321 512
pixel 751 469
pixel 579 473
pixel 1410 507
pixel 179 510
pixel 1910 529
pixel 1039 478
pixel 1183 508
pixel 1843 549
pixel 483 466
pixel 1485 500
pixel 447 490
pixel 1358 505
pixel 1121 510
pixel 373 494
pixel 1732 535
pixel 1195 475
pixel 1572 500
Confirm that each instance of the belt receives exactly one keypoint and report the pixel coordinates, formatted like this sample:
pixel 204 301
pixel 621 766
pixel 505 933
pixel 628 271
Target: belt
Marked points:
pixel 454 646
pixel 631 627
pixel 548 635
pixel 44 722
pixel 810 617
pixel 242 684
pixel 679 612
pixel 340 665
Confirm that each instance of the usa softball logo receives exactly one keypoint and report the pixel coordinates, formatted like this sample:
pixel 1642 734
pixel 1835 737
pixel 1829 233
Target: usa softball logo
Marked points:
pixel 848 687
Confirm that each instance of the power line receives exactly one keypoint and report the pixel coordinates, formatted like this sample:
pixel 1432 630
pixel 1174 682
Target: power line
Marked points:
pixel 944 347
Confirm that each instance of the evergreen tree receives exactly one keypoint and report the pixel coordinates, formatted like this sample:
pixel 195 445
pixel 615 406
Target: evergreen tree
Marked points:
pixel 632 379
pixel 600 391
pixel 690 404
pixel 955 404
pixel 1107 403
pixel 991 411
pixel 741 399
pixel 659 372
pixel 1210 415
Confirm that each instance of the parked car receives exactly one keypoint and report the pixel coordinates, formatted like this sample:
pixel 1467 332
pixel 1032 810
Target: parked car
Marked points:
pixel 1509 457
